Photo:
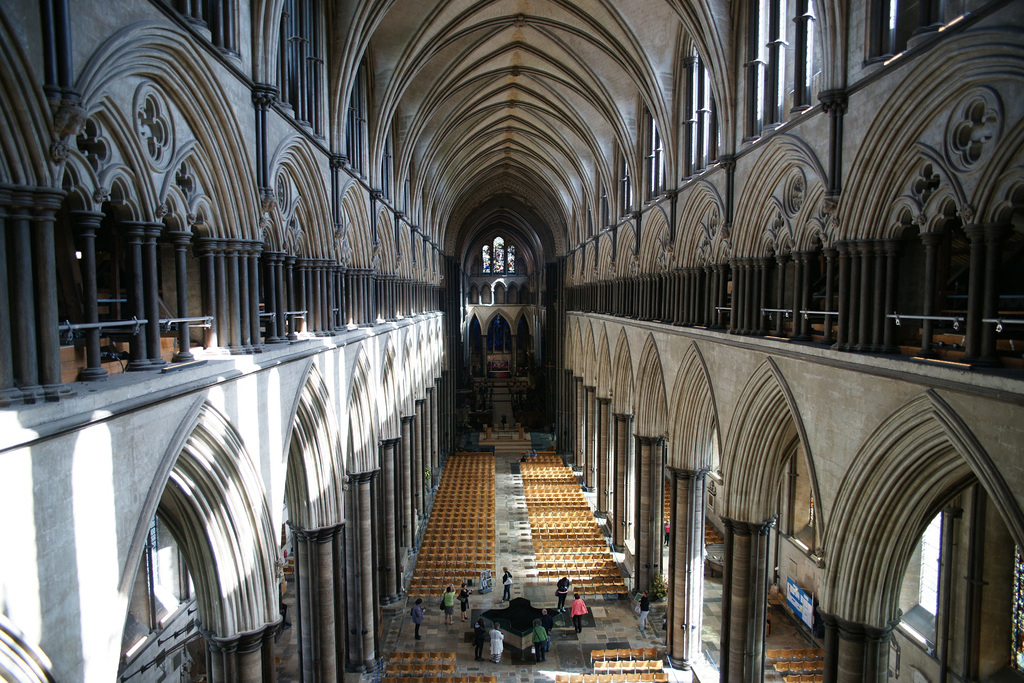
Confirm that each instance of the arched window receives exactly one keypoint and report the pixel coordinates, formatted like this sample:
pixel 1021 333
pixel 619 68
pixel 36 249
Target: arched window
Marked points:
pixel 498 258
pixel 302 62
pixel 701 117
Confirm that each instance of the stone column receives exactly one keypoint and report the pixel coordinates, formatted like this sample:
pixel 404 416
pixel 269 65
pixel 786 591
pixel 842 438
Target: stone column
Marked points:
pixel 224 305
pixel 7 391
pixel 392 577
pixel 780 290
pixel 799 320
pixel 234 307
pixel 931 242
pixel 589 436
pixel 603 483
pixel 151 292
pixel 86 223
pixel 995 234
pixel 746 564
pixel 405 489
pixel 366 626
pixel 418 465
pixel 319 601
pixel 830 261
pixel 855 653
pixel 242 658
pixel 648 509
pixel 255 329
pixel 134 232
pixel 436 401
pixel 180 240
pixel 244 325
pixel 865 297
pixel 843 324
pixel 686 587
pixel 209 291
pixel 429 430
pixel 891 249
pixel 620 460
pixel 44 269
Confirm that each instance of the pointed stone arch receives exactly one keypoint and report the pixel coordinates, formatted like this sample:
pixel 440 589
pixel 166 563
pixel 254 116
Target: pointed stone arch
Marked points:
pixel 362 450
pixel 694 432
pixel 20 659
pixel 315 474
pixel 622 376
pixel 765 427
pixel 215 507
pixel 651 407
pixel 912 464
pixel 388 407
pixel 603 379
pixel 589 369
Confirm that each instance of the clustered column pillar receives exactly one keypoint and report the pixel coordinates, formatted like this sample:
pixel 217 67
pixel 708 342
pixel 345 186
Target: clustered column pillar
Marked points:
pixel 418 481
pixel 366 628
pixel 620 461
pixel 320 590
pixel 602 484
pixel 647 509
pixel 242 658
pixel 686 589
pixel 409 529
pixel 86 224
pixel 392 576
pixel 855 653
pixel 744 600
pixel 589 437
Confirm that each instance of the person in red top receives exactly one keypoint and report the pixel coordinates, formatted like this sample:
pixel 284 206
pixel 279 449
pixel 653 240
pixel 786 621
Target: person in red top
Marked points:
pixel 579 608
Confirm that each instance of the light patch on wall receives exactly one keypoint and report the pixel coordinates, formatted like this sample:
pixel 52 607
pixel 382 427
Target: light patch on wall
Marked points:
pixel 19 568
pixel 93 497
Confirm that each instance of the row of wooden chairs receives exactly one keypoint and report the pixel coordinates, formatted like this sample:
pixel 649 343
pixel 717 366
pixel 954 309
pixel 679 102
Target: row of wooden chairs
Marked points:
pixel 417 656
pixel 804 678
pixel 808 666
pixel 459 540
pixel 660 677
pixel 625 654
pixel 441 679
pixel 566 538
pixel 628 666
pixel 809 653
pixel 420 668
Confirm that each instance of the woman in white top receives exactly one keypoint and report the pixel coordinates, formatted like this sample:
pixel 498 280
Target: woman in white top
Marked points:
pixel 497 643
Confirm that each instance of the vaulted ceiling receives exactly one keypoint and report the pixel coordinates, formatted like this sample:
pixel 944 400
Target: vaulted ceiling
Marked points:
pixel 511 111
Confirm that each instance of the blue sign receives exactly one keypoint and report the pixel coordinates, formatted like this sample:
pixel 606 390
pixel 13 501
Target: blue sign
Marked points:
pixel 800 602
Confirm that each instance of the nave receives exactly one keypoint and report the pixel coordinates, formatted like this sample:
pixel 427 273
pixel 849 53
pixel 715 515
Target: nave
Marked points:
pixel 610 631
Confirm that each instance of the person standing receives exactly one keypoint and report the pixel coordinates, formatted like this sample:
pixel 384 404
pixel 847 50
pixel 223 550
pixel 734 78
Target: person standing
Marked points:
pixel 506 582
pixel 417 616
pixel 464 601
pixel 479 638
pixel 548 622
pixel 668 529
pixel 578 609
pixel 539 637
pixel 497 643
pixel 448 604
pixel 562 590
pixel 645 607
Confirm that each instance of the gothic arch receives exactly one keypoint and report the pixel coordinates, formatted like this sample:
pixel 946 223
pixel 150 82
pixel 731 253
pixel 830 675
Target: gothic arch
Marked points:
pixel 167 61
pixel 293 166
pixel 765 426
pixel 700 219
pixel 356 247
pixel 362 449
pixel 216 509
pixel 622 382
pixel 884 167
pixel 912 464
pixel 655 247
pixel 388 407
pixel 24 116
pixel 313 483
pixel 651 407
pixel 20 659
pixel 589 370
pixel 603 376
pixel 694 434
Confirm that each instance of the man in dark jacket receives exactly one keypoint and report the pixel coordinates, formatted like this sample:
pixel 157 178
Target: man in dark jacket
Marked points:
pixel 548 622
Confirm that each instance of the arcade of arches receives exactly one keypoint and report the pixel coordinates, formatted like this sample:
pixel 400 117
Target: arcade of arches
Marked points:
pixel 266 265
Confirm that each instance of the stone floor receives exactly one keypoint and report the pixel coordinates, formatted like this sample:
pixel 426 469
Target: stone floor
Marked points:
pixel 611 624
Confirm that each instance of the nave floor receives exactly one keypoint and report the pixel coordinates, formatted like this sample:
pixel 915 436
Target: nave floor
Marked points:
pixel 611 624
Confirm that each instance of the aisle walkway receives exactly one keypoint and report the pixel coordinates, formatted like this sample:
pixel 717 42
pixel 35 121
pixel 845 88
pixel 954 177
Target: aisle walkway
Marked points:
pixel 612 623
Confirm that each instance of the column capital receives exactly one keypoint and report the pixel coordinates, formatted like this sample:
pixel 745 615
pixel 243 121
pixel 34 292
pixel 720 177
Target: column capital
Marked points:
pixel 604 400
pixel 390 442
pixel 408 418
pixel 623 417
pixel 743 528
pixel 687 473
pixel 362 477
pixel 322 534
pixel 651 440
pixel 856 632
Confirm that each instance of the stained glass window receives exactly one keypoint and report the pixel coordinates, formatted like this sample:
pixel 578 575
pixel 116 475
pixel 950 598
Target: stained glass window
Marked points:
pixel 1017 655
pixel 486 254
pixel 499 255
pixel 511 270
